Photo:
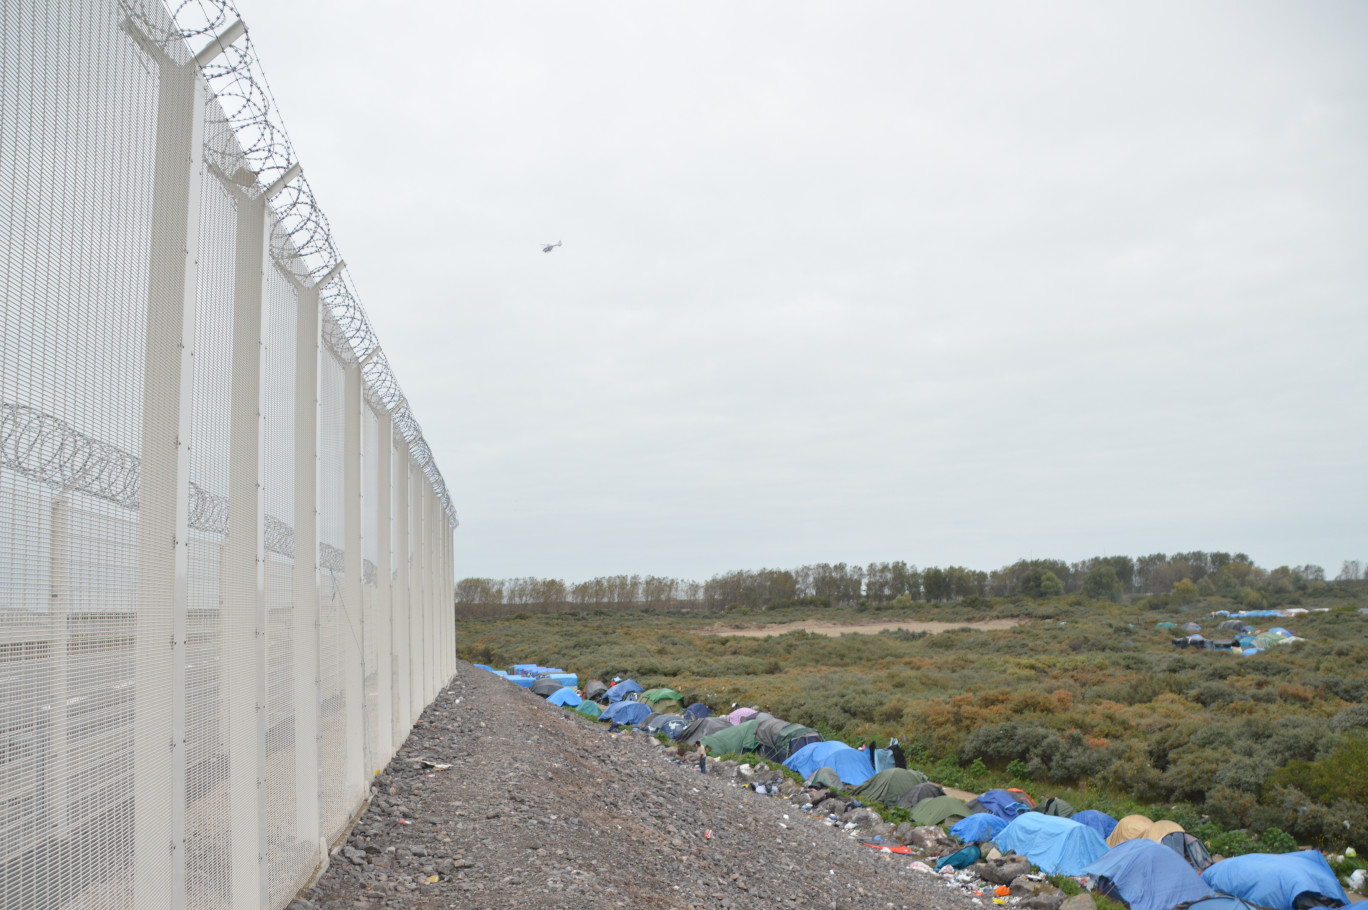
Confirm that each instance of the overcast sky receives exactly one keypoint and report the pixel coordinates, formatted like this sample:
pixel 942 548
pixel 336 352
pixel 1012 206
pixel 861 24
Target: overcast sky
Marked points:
pixel 942 282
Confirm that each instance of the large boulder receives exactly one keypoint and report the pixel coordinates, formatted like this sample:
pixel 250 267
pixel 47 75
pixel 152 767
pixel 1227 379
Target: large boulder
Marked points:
pixel 932 840
pixel 1003 870
pixel 1036 895
pixel 862 818
pixel 1079 902
pixel 902 833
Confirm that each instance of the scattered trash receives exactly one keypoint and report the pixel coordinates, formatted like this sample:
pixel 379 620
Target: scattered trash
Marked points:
pixel 920 866
pixel 431 879
pixel 1001 891
pixel 433 765
pixel 707 835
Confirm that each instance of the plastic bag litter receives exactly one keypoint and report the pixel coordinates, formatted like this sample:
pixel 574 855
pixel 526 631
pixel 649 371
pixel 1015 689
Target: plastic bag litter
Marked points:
pixel 920 866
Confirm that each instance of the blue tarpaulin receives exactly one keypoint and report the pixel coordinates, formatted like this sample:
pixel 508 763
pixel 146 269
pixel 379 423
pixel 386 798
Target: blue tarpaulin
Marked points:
pixel 1148 875
pixel 1274 879
pixel 1057 845
pixel 979 827
pixel 851 765
pixel 1100 822
pixel 626 712
pixel 618 692
pixel 1002 804
pixel 564 696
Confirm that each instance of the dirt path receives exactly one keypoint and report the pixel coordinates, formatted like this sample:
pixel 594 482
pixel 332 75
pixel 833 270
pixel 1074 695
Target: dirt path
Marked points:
pixel 500 800
pixel 872 628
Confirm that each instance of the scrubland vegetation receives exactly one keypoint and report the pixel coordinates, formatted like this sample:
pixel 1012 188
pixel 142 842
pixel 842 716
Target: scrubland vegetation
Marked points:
pixel 1086 699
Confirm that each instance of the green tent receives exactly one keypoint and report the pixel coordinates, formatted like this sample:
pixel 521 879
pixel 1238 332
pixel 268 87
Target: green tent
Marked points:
pixel 889 784
pixel 824 777
pixel 1166 625
pixel 791 732
pixel 939 809
pixel 1056 806
pixel 663 701
pixel 740 738
pixel 589 709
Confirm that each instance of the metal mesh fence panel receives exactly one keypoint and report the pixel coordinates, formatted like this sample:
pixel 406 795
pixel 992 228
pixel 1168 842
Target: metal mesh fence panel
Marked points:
pixel 222 533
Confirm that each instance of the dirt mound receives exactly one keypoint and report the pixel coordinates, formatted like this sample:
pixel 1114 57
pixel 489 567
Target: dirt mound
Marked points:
pixel 541 810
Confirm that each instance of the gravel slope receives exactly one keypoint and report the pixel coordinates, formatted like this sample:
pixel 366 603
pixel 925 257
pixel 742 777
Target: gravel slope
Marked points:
pixel 544 811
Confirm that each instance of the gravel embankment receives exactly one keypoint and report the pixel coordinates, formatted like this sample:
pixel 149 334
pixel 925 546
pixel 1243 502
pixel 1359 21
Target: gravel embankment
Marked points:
pixel 544 811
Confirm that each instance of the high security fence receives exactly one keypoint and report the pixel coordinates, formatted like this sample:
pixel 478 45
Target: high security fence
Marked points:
pixel 225 550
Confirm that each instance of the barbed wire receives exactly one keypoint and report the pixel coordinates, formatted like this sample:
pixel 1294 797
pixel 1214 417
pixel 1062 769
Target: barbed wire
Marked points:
pixel 51 451
pixel 258 155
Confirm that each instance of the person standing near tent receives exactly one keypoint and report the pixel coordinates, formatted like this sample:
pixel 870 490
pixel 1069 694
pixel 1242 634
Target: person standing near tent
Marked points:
pixel 702 759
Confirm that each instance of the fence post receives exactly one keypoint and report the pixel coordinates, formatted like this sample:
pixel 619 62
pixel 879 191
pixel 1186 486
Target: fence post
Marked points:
pixel 417 604
pixel 352 647
pixel 55 782
pixel 384 591
pixel 164 488
pixel 403 644
pixel 305 581
pixel 244 555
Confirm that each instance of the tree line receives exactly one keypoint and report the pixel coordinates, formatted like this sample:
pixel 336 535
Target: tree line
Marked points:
pixel 1191 574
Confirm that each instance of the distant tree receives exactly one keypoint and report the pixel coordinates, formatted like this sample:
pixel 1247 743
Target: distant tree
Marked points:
pixel 1102 583
pixel 1184 590
pixel 935 584
pixel 1352 570
pixel 1038 582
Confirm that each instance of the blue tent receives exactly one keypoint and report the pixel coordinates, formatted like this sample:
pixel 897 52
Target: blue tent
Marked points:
pixel 1100 822
pixel 851 765
pixel 620 691
pixel 1148 876
pixel 626 712
pixel 564 696
pixel 1274 879
pixel 1002 804
pixel 697 710
pixel 674 727
pixel 1056 845
pixel 980 826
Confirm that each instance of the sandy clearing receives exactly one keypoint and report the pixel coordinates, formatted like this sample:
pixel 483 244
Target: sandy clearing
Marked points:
pixel 872 628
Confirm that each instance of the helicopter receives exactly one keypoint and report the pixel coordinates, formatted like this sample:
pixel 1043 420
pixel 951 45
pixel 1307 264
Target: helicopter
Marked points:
pixel 550 246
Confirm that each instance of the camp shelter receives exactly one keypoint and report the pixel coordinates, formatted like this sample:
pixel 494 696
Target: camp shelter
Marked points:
pixel 674 726
pixel 628 689
pixel 886 786
pixel 1001 803
pixel 1236 626
pixel 594 689
pixel 1192 850
pixel 564 696
pixel 1191 627
pixel 1100 822
pixel 1056 806
pixel 645 722
pixel 939 809
pixel 920 792
pixel 697 710
pixel 741 714
pixel 1146 876
pixel 1276 880
pixel 1056 845
pixel 546 686
pixel 1022 797
pixel 850 765
pixel 823 777
pixel 702 727
pixel 979 827
pixel 1158 829
pixel 666 701
pixel 589 709
pixel 794 737
pixel 625 712
pixel 767 733
pixel 961 859
pixel 739 738
pixel 1166 625
pixel 1129 828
